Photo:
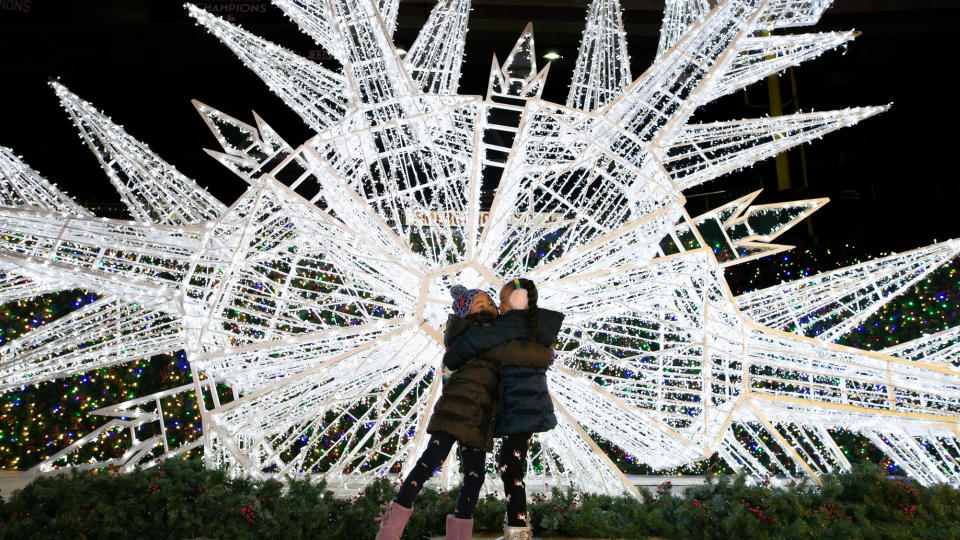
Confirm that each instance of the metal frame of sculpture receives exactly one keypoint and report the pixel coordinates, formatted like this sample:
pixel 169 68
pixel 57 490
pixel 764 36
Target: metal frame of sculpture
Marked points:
pixel 319 296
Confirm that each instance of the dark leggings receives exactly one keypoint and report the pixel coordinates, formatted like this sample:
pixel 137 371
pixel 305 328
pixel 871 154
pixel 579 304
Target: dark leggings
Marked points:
pixel 437 450
pixel 513 467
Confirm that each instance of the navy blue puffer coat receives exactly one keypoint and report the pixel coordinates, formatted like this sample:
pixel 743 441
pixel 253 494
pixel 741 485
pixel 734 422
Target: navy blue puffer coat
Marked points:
pixel 525 405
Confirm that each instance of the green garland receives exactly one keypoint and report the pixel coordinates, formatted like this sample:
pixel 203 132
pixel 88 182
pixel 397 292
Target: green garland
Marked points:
pixel 181 499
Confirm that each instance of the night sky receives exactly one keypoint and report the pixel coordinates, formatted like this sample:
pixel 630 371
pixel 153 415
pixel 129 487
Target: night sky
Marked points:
pixel 892 179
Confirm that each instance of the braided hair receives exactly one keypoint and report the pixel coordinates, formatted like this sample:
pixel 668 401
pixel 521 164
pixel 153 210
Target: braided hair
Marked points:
pixel 531 289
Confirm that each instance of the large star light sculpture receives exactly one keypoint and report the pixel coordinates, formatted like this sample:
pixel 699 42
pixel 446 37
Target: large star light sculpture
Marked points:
pixel 319 296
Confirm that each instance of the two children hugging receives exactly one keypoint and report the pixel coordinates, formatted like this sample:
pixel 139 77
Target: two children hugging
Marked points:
pixel 495 385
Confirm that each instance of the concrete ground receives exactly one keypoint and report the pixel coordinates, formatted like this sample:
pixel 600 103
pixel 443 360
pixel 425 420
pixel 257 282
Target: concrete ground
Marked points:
pixel 11 481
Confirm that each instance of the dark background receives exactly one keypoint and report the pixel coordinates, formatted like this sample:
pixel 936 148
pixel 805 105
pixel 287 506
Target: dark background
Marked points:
pixel 892 179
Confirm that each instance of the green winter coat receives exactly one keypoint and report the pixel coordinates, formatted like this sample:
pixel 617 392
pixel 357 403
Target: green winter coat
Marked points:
pixel 467 406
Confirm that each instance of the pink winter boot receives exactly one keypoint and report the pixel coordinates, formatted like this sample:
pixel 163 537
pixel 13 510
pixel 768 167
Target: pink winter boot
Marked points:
pixel 459 529
pixel 392 521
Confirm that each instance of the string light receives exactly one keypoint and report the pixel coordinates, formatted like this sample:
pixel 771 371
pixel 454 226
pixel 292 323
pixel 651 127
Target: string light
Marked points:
pixel 317 298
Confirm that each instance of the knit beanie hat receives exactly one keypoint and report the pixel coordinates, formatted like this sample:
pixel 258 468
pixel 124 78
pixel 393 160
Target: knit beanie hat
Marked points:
pixel 462 299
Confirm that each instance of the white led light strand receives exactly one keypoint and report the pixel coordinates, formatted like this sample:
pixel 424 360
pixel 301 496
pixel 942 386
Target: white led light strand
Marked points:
pixel 319 296
pixel 603 65
pixel 830 304
pixel 152 189
pixel 316 94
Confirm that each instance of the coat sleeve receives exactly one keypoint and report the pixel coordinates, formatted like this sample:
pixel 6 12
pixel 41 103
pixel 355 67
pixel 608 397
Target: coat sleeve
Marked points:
pixel 455 327
pixel 477 340
pixel 523 354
